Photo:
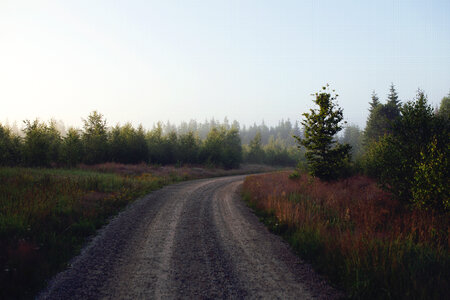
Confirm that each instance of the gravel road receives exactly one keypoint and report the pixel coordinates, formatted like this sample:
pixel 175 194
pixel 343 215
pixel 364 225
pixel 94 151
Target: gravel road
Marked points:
pixel 193 240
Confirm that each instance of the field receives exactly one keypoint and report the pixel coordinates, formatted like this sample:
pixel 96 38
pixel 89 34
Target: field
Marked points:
pixel 355 234
pixel 47 214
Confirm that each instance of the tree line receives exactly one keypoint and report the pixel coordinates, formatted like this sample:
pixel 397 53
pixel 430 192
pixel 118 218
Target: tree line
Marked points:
pixel 261 144
pixel 43 145
pixel 210 142
pixel 404 146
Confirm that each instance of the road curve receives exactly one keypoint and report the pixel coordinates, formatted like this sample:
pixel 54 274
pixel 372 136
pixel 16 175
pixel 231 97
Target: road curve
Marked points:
pixel 195 240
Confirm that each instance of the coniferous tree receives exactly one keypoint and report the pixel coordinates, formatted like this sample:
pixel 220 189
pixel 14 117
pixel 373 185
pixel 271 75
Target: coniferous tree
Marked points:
pixel 409 161
pixel 393 97
pixel 382 117
pixel 391 110
pixel 375 102
pixel 326 157
pixel 375 121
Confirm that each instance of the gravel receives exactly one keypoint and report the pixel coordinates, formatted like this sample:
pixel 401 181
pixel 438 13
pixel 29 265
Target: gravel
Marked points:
pixel 194 240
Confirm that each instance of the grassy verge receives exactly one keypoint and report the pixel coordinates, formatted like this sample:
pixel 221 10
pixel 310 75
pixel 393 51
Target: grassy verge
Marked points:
pixel 365 242
pixel 47 214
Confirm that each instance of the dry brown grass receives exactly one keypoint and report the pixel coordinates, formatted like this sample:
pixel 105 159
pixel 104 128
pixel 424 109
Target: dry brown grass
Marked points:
pixel 358 234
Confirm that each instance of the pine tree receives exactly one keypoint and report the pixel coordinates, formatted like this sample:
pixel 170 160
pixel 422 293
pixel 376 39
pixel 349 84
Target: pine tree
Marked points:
pixel 392 107
pixel 393 97
pixel 382 117
pixel 375 101
pixel 326 157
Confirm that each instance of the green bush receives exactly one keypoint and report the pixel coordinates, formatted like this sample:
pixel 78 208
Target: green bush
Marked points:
pixel 10 147
pixel 222 147
pixel 128 145
pixel 431 186
pixel 42 143
pixel 72 148
pixel 95 139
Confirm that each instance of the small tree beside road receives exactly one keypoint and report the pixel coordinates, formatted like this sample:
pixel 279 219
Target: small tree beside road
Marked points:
pixel 326 157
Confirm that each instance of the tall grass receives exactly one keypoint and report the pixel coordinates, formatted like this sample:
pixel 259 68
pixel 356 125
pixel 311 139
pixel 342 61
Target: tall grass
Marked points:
pixel 364 241
pixel 45 216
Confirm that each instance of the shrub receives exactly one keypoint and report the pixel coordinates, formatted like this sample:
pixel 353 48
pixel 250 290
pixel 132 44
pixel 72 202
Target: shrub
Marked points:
pixel 41 144
pixel 431 186
pixel 10 147
pixel 72 148
pixel 95 139
pixel 128 145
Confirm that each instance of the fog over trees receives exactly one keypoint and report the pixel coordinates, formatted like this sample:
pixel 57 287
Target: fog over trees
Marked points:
pixel 404 145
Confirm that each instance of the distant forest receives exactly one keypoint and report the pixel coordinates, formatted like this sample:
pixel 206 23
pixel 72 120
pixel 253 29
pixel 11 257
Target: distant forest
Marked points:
pixel 212 142
pixel 224 144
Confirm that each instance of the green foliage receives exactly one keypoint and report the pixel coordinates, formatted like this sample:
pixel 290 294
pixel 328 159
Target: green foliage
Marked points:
pixel 189 144
pixel 393 102
pixel 211 150
pixel 375 101
pixel 431 185
pixel 354 137
pixel 72 148
pixel 326 157
pixel 10 147
pixel 255 152
pixel 279 154
pixel 171 148
pixel 444 108
pixel 408 162
pixel 155 144
pixel 50 213
pixel 128 145
pixel 42 143
pixel 222 147
pixel 95 139
pixel 232 149
pixel 381 117
pixel 380 154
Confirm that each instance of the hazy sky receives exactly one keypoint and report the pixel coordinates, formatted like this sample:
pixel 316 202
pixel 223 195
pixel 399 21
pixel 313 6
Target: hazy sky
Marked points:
pixel 144 61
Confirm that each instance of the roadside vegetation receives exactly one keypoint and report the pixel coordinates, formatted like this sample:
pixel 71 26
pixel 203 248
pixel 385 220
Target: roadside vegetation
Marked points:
pixel 58 186
pixel 359 236
pixel 47 214
pixel 370 209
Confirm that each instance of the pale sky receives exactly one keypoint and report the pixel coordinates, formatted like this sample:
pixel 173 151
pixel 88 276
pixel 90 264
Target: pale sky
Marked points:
pixel 145 61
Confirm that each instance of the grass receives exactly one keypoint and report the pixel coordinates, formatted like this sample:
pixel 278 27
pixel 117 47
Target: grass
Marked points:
pixel 47 214
pixel 358 236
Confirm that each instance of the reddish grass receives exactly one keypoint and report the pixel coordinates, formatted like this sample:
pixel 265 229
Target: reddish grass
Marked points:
pixel 182 172
pixel 359 228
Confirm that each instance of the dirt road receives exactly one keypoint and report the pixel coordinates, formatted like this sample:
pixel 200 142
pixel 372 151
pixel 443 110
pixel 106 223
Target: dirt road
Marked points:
pixel 191 240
